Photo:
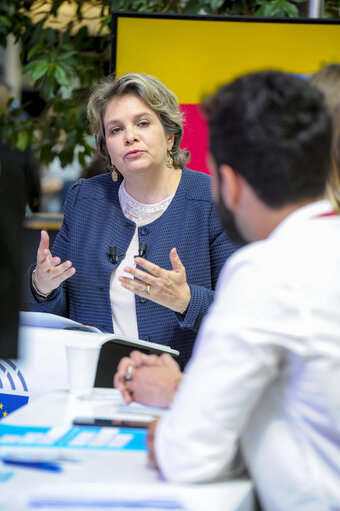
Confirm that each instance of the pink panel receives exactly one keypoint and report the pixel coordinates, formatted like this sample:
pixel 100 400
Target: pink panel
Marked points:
pixel 195 138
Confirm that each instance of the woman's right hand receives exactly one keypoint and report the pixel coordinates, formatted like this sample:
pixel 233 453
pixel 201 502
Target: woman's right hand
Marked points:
pixel 50 272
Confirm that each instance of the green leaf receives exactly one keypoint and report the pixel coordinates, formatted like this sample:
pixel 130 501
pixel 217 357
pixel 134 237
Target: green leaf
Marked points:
pixel 327 14
pixel 66 55
pixel 71 138
pixel 5 21
pixel 115 4
pixel 37 69
pixel 106 21
pixel 50 36
pixel 291 9
pixel 88 149
pixel 259 11
pixel 11 9
pixel 45 153
pixel 215 4
pixel 81 158
pixel 272 9
pixel 47 89
pixel 6 132
pixel 66 156
pixel 33 51
pixel 61 76
pixel 22 140
pixel 193 6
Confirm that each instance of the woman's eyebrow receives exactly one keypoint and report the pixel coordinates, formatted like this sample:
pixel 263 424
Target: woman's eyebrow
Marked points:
pixel 110 122
pixel 135 117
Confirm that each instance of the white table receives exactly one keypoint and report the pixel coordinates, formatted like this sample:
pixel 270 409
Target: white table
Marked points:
pixel 108 472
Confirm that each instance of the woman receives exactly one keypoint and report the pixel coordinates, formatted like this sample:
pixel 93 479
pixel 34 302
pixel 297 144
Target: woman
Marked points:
pixel 150 206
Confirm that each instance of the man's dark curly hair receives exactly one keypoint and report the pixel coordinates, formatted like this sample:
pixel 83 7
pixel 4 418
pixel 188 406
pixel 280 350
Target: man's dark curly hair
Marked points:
pixel 274 130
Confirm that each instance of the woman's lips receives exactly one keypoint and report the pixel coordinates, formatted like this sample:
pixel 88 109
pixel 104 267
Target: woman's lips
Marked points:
pixel 134 154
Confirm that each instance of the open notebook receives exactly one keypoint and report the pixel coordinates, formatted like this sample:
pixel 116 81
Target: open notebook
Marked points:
pixel 42 354
pixel 46 320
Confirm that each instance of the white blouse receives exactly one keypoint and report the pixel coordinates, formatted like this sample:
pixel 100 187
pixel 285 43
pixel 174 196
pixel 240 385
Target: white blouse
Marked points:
pixel 123 305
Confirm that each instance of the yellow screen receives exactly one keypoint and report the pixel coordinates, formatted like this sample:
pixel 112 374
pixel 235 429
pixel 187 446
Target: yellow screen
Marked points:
pixel 194 56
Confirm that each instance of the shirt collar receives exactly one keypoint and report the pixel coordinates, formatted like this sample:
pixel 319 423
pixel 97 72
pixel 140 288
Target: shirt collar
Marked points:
pixel 309 212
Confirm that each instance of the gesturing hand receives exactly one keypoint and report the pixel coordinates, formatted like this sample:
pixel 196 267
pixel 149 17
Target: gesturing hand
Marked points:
pixel 168 288
pixel 49 272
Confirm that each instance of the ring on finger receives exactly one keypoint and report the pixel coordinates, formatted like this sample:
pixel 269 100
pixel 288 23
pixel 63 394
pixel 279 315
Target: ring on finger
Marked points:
pixel 128 374
pixel 147 289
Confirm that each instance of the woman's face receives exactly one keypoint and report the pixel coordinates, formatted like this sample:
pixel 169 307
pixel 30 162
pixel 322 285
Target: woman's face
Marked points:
pixel 135 138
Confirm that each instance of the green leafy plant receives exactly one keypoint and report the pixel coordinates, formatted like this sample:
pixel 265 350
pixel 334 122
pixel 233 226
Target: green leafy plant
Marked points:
pixel 280 8
pixel 63 61
pixel 63 64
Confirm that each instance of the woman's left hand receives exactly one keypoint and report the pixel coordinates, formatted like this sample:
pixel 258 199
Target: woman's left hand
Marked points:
pixel 166 287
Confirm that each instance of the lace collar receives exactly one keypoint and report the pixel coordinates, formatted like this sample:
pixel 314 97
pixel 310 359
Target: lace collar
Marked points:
pixel 139 212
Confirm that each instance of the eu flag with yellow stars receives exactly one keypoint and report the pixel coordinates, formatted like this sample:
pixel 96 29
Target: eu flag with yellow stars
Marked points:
pixel 13 388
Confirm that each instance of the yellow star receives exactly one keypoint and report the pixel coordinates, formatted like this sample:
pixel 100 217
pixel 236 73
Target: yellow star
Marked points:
pixel 4 414
pixel 1 405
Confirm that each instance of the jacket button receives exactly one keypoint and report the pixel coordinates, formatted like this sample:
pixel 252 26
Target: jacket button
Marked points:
pixel 145 231
pixel 143 300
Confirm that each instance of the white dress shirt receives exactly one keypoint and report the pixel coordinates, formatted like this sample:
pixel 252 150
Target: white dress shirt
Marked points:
pixel 264 378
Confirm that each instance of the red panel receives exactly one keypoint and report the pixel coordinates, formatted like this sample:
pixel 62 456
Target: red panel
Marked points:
pixel 195 138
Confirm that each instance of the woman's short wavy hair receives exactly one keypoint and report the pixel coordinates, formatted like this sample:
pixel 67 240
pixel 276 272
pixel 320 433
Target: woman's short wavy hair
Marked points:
pixel 154 93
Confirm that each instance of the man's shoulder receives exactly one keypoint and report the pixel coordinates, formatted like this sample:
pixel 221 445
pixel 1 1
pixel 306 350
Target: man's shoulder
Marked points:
pixel 287 258
pixel 257 258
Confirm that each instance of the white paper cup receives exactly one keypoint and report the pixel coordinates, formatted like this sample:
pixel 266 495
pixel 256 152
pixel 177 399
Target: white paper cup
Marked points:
pixel 82 363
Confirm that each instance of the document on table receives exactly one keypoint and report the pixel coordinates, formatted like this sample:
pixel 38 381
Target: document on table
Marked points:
pixel 74 437
pixel 53 321
pixel 98 496
pixel 47 320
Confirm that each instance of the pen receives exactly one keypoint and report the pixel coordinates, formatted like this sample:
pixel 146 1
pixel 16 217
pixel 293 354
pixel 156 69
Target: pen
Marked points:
pixel 40 465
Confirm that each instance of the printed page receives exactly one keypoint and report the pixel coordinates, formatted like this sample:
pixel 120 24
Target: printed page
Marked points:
pixel 46 320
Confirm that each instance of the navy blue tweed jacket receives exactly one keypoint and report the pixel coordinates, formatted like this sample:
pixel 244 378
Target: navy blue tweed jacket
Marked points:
pixel 94 221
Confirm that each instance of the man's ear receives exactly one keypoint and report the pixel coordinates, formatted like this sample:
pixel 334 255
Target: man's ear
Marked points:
pixel 230 186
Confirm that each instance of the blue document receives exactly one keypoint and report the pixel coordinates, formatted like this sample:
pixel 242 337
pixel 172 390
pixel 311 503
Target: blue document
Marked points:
pixel 75 437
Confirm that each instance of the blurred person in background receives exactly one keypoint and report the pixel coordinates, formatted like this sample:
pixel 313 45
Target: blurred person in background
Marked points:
pixel 327 80
pixel 19 194
pixel 20 166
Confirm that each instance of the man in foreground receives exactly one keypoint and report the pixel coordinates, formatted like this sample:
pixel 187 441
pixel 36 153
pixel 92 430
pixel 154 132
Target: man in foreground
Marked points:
pixel 263 382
